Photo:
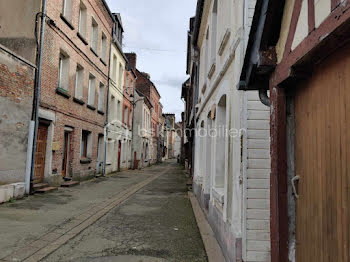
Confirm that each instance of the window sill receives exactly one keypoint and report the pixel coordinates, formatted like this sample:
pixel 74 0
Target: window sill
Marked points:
pixel 78 101
pixel 100 112
pixel 85 160
pixel 82 38
pixel 211 71
pixel 224 42
pixel 219 195
pixel 62 92
pixel 67 21
pixel 93 51
pixel 91 107
pixel 103 62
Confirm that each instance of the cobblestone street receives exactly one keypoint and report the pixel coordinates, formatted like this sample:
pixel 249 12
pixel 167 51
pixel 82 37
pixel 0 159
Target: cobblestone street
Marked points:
pixel 130 216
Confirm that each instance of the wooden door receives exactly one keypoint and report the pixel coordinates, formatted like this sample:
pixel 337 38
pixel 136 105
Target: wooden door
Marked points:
pixel 322 160
pixel 65 154
pixel 40 154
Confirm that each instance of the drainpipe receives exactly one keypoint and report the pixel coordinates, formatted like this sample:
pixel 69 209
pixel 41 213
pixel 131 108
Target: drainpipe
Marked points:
pixel 107 106
pixel 132 127
pixel 264 97
pixel 39 60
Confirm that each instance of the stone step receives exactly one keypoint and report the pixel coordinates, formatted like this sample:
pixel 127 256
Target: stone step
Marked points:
pixel 70 183
pixel 39 186
pixel 46 190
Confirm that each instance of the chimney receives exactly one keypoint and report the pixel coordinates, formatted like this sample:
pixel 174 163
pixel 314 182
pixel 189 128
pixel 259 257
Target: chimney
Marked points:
pixel 132 60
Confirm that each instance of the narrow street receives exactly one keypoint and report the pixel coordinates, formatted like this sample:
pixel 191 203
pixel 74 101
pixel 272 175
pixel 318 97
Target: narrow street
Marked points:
pixel 128 216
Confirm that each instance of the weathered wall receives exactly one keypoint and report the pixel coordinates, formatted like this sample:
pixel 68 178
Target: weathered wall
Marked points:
pixel 17 25
pixel 16 98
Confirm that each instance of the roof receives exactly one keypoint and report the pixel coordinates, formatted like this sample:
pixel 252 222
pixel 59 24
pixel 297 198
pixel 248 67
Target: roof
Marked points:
pixel 108 10
pixel 119 19
pixel 198 21
pixel 146 100
pixel 185 87
pixel 260 58
pixel 150 82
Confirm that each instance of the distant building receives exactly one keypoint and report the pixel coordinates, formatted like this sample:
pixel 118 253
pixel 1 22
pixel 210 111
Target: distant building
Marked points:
pixel 147 88
pixel 142 134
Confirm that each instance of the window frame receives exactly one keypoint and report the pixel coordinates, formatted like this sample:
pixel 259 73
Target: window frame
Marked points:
pixel 92 77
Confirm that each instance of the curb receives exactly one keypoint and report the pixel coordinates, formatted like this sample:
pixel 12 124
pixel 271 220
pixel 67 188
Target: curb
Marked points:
pixel 211 245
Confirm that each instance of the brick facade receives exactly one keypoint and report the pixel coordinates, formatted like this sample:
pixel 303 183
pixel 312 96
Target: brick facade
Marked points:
pixel 72 113
pixel 147 88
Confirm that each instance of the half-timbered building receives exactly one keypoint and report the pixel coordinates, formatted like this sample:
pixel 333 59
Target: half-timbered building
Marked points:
pixel 299 50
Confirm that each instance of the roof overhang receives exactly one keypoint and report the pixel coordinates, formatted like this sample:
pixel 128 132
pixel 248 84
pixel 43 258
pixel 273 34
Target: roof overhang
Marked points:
pixel 260 57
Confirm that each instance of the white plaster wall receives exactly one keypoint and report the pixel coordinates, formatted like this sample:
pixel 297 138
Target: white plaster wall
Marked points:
pixel 302 29
pixel 116 131
pixel 322 11
pixel 236 208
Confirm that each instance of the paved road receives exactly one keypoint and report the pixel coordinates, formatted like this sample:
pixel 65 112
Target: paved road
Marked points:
pixel 155 224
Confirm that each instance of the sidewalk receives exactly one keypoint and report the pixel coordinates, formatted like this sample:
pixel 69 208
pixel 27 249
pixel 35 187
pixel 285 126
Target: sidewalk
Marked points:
pixel 27 220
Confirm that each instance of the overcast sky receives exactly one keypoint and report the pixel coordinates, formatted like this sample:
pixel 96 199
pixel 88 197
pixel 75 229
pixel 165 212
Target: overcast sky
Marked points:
pixel 156 30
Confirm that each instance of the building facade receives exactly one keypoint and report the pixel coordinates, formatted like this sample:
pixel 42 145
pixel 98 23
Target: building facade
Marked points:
pixel 142 133
pixel 128 111
pixel 303 58
pixel 17 77
pixel 146 87
pixel 117 132
pixel 231 163
pixel 74 90
pixel 169 127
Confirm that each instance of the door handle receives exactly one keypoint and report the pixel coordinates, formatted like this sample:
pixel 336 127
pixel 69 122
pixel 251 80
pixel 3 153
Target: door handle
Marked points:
pixel 296 178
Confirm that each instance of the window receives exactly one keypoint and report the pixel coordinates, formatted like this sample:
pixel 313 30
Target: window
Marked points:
pixel 112 108
pixel 101 97
pixel 91 95
pixel 114 69
pixel 125 116
pixel 214 32
pixel 63 71
pixel 119 110
pixel 104 47
pixel 130 118
pixel 85 150
pixel 79 79
pixel 67 9
pixel 206 61
pixel 120 75
pixel 82 19
pixel 127 84
pixel 94 34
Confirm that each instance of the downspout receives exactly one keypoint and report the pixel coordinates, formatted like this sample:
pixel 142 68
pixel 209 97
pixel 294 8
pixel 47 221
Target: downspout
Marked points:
pixel 132 127
pixel 107 105
pixel 35 115
pixel 264 98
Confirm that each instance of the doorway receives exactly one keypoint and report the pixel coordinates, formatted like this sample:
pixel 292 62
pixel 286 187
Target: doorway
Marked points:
pixel 119 153
pixel 66 149
pixel 322 156
pixel 40 153
pixel 100 155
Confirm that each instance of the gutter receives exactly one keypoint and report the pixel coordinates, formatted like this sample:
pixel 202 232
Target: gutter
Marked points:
pixel 37 89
